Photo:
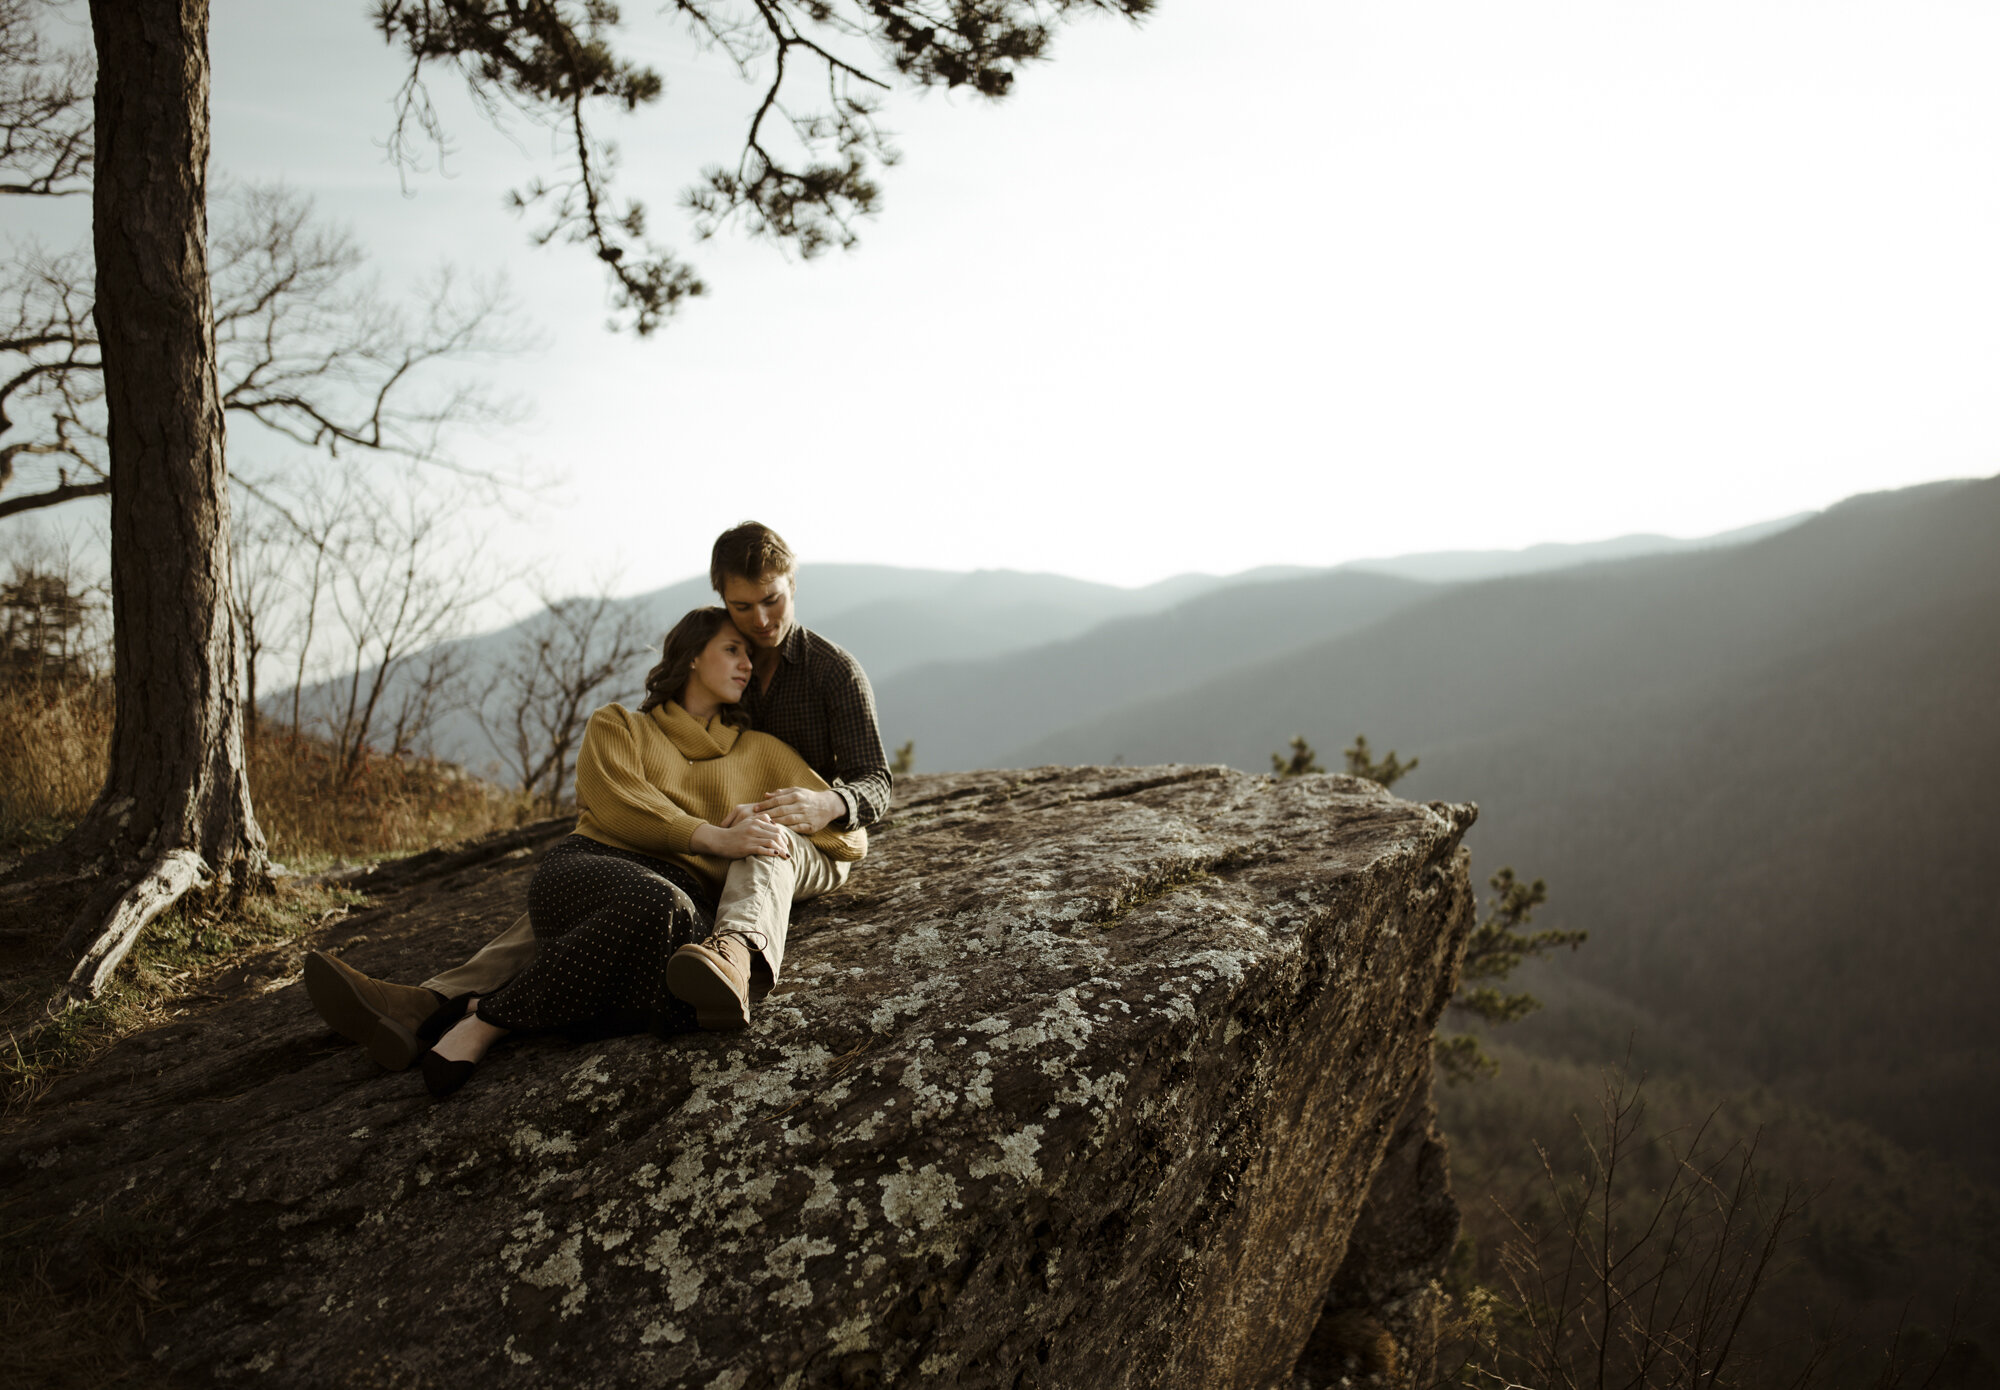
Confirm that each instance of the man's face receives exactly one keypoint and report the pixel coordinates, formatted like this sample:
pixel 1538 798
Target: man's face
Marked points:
pixel 760 608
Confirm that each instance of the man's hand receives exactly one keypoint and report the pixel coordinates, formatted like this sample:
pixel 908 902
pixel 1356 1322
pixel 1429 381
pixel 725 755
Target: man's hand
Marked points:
pixel 802 809
pixel 742 838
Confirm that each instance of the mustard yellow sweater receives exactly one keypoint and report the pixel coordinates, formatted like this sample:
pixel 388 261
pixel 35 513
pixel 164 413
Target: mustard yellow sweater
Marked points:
pixel 645 782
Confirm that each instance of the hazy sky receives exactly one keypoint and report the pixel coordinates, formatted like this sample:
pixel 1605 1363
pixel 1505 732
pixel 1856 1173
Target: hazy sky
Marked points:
pixel 1262 281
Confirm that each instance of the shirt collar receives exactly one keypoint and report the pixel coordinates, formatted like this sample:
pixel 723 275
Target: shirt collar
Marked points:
pixel 793 648
pixel 695 741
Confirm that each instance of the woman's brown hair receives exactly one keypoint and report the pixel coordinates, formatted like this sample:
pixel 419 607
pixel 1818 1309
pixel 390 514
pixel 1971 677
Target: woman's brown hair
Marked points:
pixel 685 643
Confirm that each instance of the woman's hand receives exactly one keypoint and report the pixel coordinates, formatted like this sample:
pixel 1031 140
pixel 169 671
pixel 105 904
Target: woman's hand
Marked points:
pixel 745 835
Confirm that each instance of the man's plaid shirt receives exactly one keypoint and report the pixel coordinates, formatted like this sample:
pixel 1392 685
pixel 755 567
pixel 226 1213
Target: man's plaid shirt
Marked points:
pixel 820 702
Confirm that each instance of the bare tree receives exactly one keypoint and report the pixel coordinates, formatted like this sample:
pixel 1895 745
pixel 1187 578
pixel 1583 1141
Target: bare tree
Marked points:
pixel 307 346
pixel 313 529
pixel 264 550
pixel 398 598
pixel 386 576
pixel 285 549
pixel 566 658
pixel 1637 1286
pixel 432 683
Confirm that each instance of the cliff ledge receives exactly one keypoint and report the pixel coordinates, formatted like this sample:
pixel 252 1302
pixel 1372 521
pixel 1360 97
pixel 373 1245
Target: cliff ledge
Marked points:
pixel 1086 1080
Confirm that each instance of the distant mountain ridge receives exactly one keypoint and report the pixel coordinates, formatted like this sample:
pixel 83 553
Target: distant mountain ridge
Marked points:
pixel 992 712
pixel 1570 620
pixel 1467 566
pixel 897 620
pixel 973 714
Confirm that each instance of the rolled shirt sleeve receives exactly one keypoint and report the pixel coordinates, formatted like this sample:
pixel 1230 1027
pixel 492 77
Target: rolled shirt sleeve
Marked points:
pixel 864 782
pixel 820 703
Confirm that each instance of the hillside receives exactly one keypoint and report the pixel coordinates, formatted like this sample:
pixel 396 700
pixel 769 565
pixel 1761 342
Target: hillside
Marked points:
pixel 978 713
pixel 1757 776
pixel 970 714
pixel 920 616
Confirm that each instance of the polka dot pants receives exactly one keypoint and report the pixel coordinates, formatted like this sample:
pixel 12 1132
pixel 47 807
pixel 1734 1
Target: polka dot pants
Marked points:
pixel 605 922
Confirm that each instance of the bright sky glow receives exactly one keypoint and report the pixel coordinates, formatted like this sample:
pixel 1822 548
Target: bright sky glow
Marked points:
pixel 1270 281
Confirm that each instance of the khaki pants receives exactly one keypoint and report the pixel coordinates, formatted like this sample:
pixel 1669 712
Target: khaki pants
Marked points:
pixel 756 901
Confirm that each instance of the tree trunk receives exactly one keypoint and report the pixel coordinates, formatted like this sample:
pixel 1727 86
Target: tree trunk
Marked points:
pixel 177 778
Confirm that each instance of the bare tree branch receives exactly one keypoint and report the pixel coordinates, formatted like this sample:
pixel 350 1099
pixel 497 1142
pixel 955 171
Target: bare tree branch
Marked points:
pixel 49 358
pixel 397 599
pixel 307 345
pixel 54 497
pixel 46 149
pixel 1619 1285
pixel 567 657
pixel 311 350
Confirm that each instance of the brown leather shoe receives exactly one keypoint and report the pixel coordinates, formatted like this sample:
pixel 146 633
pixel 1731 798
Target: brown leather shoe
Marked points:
pixel 714 976
pixel 382 1017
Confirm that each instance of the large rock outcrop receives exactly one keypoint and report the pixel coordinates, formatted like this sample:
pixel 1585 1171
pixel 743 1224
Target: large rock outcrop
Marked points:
pixel 1084 1081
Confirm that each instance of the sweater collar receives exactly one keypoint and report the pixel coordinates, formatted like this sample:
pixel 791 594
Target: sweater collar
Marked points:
pixel 687 734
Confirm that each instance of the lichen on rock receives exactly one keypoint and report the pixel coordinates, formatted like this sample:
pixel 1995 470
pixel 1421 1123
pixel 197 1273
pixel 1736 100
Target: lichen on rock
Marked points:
pixel 1085 1079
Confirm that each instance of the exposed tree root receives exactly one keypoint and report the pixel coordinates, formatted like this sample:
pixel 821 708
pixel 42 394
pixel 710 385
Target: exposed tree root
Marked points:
pixel 100 944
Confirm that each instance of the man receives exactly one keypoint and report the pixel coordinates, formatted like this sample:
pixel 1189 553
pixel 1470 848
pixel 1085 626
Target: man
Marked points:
pixel 804 690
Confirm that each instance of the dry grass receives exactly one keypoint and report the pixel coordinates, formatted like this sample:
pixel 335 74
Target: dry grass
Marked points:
pixel 53 741
pixel 389 806
pixel 53 737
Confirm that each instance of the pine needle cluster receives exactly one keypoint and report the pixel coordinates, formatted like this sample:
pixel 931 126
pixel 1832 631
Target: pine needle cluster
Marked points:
pixel 1498 946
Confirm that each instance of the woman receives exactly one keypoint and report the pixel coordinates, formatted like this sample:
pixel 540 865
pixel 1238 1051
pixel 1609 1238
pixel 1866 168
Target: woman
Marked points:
pixel 666 831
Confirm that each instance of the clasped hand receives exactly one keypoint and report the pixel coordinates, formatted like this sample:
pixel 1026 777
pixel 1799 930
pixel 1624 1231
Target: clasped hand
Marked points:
pixel 746 833
pixel 802 809
pixel 759 827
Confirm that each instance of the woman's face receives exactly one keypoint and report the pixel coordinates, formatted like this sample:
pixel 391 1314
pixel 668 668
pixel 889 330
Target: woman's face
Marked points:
pixel 723 669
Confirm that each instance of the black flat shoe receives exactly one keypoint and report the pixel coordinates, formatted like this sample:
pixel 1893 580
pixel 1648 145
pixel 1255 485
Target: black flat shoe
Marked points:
pixel 442 1076
pixel 443 1018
